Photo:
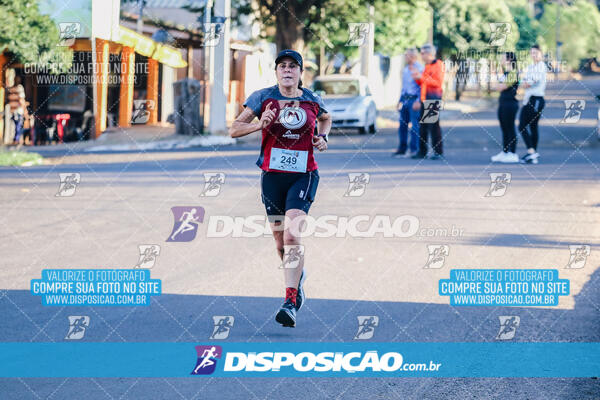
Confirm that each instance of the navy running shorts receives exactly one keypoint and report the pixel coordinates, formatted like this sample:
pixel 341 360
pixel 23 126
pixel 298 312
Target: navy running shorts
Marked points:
pixel 282 191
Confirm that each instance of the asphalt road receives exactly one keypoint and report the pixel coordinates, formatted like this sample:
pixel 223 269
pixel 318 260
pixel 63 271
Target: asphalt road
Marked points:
pixel 124 200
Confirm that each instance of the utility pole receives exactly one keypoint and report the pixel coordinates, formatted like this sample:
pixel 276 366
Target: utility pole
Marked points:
pixel 206 29
pixel 219 79
pixel 430 35
pixel 367 48
pixel 322 48
pixel 140 20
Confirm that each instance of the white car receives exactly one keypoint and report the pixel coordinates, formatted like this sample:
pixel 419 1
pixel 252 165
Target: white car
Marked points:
pixel 348 100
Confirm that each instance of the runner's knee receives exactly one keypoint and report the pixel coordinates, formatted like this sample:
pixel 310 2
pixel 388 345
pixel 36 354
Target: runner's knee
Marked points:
pixel 290 239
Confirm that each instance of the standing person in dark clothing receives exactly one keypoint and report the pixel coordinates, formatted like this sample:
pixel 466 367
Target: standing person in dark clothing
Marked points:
pixel 431 81
pixel 508 106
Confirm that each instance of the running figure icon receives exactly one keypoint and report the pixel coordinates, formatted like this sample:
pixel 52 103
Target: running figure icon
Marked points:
pixel 499 182
pixel 508 327
pixel 431 112
pixel 357 185
pixel 68 184
pixel 77 326
pixel 366 326
pixel 573 111
pixel 148 255
pixel 207 359
pixel 223 325
pixel 188 218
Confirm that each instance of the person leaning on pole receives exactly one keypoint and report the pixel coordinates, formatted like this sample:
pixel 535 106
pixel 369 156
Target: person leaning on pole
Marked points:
pixel 431 81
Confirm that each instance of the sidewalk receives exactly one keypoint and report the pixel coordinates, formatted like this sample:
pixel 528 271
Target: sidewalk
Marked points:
pixel 135 138
pixel 146 138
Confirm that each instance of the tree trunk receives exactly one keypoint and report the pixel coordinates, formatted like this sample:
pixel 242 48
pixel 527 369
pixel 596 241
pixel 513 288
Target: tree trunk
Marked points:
pixel 289 27
pixel 321 60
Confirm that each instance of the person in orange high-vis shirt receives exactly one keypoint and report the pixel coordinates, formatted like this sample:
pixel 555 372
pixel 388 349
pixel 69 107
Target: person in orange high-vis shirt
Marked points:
pixel 431 81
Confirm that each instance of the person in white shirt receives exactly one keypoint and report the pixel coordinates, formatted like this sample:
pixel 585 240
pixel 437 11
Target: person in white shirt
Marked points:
pixel 534 83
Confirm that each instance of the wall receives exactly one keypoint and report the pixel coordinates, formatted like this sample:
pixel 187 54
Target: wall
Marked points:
pixel 385 81
pixel 105 19
pixel 260 69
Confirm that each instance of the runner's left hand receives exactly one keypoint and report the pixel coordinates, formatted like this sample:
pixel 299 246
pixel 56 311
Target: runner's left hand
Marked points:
pixel 319 143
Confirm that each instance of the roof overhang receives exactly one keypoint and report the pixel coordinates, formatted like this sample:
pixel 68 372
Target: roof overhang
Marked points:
pixel 145 46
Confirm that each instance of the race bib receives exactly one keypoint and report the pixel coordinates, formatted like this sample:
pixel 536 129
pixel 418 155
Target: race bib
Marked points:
pixel 288 160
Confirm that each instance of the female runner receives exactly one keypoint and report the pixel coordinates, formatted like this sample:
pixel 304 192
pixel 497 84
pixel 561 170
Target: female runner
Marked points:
pixel 287 115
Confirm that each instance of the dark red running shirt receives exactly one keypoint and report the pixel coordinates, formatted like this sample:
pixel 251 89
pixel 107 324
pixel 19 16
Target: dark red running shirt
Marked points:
pixel 287 141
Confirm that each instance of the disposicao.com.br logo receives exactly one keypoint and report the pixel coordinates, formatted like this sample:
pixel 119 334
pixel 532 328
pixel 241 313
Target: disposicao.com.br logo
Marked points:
pixel 325 362
pixel 187 220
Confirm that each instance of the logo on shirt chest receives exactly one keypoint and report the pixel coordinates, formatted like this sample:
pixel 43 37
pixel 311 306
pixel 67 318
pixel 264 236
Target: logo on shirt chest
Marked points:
pixel 289 135
pixel 292 117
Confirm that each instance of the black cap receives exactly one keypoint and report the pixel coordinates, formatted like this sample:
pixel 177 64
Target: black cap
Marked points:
pixel 289 53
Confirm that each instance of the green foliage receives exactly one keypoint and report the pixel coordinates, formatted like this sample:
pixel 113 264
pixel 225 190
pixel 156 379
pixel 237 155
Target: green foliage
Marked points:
pixel 328 26
pixel 462 26
pixel 400 25
pixel 459 25
pixel 30 36
pixel 20 158
pixel 529 27
pixel 579 30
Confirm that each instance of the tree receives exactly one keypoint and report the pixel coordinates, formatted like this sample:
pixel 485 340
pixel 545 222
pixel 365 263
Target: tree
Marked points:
pixel 328 23
pixel 462 26
pixel 310 25
pixel 400 25
pixel 31 37
pixel 289 18
pixel 579 30
pixel 529 27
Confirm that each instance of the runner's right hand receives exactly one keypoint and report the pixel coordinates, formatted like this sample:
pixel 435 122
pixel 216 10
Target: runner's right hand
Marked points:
pixel 267 116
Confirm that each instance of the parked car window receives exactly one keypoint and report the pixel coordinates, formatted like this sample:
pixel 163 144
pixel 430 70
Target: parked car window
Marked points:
pixel 349 88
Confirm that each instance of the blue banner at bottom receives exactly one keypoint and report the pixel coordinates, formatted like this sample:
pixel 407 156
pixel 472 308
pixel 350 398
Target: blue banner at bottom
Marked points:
pixel 364 359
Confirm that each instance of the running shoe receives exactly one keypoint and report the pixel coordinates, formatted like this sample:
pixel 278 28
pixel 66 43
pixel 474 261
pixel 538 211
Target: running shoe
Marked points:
pixel 436 157
pixel 506 158
pixel 418 156
pixel 510 158
pixel 531 161
pixel 399 153
pixel 300 295
pixel 498 157
pixel 287 314
pixel 530 158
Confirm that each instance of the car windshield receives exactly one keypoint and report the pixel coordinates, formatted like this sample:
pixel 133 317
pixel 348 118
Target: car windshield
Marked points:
pixel 348 88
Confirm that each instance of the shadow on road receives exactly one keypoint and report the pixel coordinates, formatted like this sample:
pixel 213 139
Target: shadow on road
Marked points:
pixel 187 318
pixel 182 318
